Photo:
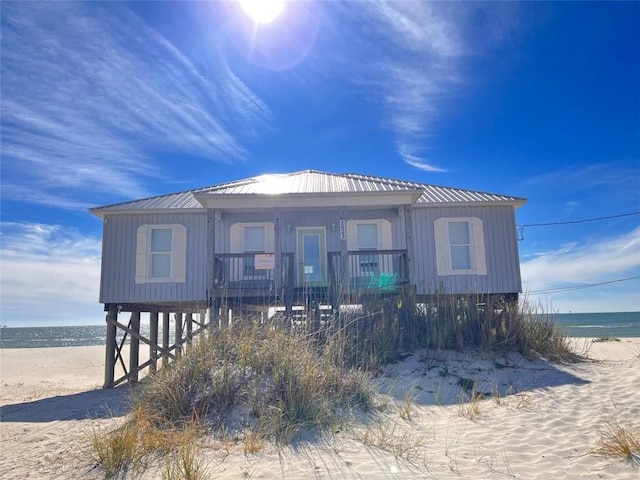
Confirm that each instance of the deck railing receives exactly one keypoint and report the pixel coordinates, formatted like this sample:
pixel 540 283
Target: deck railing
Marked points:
pixel 252 274
pixel 242 275
pixel 369 270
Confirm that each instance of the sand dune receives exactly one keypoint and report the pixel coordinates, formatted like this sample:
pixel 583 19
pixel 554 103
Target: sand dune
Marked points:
pixel 535 420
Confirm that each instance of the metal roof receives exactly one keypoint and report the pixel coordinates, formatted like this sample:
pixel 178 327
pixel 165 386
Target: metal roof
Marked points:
pixel 310 182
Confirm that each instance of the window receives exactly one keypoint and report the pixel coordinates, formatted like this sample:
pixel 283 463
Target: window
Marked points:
pixel 459 246
pixel 372 234
pixel 367 238
pixel 249 238
pixel 161 253
pixel 254 242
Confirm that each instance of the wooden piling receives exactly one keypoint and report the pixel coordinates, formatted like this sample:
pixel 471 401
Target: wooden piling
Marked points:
pixel 173 345
pixel 189 329
pixel 178 342
pixel 134 347
pixel 110 349
pixel 153 348
pixel 165 339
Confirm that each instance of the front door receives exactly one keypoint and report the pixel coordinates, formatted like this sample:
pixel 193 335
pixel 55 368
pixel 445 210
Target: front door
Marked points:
pixel 312 257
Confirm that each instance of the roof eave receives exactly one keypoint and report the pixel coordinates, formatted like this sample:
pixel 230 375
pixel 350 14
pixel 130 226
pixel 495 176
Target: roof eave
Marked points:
pixel 328 199
pixel 103 212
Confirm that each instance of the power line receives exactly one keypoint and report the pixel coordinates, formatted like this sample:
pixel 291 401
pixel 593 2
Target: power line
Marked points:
pixel 580 287
pixel 585 220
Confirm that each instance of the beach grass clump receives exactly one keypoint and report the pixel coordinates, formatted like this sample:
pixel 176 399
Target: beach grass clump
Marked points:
pixel 619 440
pixel 605 339
pixel 387 435
pixel 186 463
pixel 274 381
pixel 492 324
pixel 126 450
pixel 117 452
pixel 469 406
pixel 538 336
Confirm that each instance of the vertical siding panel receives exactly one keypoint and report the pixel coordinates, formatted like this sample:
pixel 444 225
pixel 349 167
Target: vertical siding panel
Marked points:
pixel 119 252
pixel 500 249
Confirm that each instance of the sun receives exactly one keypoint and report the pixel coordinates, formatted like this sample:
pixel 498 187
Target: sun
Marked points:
pixel 262 11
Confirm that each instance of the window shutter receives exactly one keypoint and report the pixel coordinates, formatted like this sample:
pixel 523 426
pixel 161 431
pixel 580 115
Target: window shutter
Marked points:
pixel 477 237
pixel 236 233
pixel 441 234
pixel 269 237
pixel 236 236
pixel 385 235
pixel 179 267
pixel 385 241
pixel 352 235
pixel 141 253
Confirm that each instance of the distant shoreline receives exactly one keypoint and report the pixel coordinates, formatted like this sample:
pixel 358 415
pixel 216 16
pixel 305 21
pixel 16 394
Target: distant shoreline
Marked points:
pixel 574 325
pixel 143 321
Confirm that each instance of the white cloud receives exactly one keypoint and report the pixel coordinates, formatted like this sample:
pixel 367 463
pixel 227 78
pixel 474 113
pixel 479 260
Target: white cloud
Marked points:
pixel 420 63
pixel 582 264
pixel 420 164
pixel 50 274
pixel 91 93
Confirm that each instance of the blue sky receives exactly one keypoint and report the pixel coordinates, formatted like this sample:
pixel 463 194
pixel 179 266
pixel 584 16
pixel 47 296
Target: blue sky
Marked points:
pixel 104 102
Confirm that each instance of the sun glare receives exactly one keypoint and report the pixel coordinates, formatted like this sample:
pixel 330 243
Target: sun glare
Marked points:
pixel 262 11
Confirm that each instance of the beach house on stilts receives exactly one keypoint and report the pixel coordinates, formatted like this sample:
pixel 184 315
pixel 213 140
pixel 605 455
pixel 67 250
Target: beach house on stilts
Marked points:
pixel 288 243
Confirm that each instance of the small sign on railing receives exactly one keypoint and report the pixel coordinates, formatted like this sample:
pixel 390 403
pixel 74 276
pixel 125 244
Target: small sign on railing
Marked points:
pixel 264 261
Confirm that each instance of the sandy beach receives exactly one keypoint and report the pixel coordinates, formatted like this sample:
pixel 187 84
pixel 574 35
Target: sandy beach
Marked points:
pixel 535 421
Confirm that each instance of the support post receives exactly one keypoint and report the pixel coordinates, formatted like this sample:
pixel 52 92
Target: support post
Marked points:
pixel 134 347
pixel 165 338
pixel 153 348
pixel 408 226
pixel 189 329
pixel 211 261
pixel 344 260
pixel 277 273
pixel 110 347
pixel 178 318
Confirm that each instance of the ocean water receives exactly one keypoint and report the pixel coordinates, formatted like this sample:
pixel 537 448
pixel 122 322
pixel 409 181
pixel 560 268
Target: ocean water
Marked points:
pixel 626 324
pixel 73 336
pixel 596 325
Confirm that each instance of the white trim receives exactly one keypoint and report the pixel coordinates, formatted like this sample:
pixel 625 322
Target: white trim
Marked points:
pixel 178 254
pixel 477 255
pixel 236 236
pixel 385 241
pixel 323 252
pixel 305 200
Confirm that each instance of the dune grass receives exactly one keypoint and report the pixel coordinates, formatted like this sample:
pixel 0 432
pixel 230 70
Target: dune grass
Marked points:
pixel 275 381
pixel 619 440
pixel 390 327
pixel 126 450
pixel 267 383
